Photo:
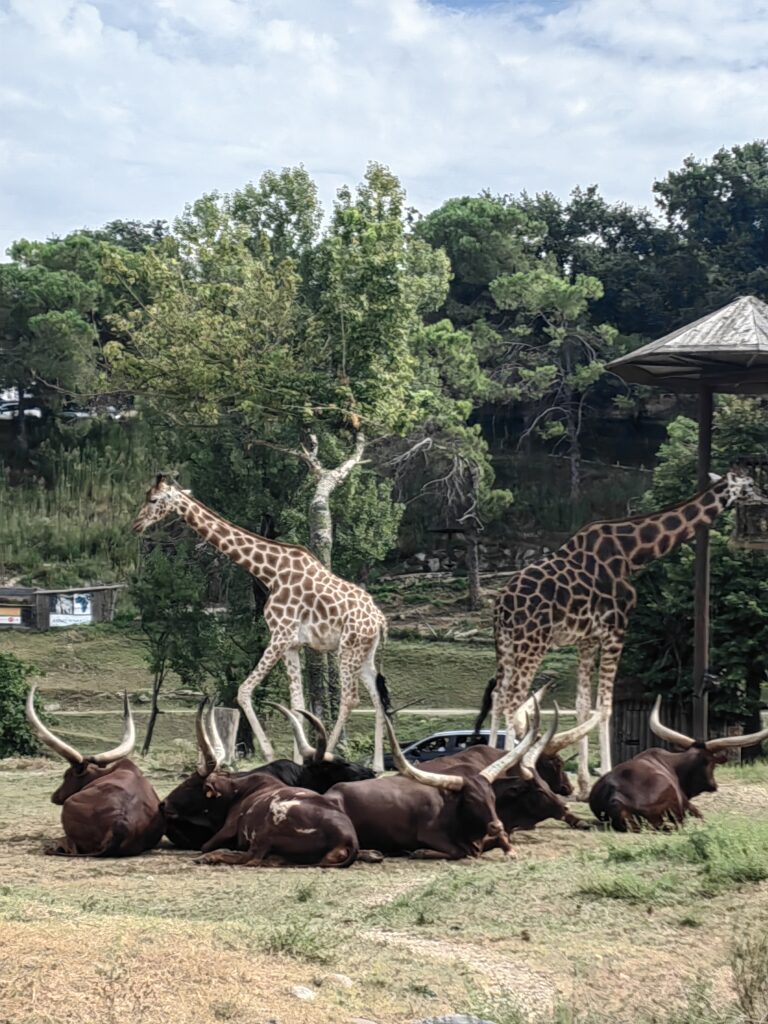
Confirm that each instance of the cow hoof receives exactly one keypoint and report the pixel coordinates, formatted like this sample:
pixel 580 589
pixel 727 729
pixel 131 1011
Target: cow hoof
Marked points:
pixel 370 857
pixel 511 854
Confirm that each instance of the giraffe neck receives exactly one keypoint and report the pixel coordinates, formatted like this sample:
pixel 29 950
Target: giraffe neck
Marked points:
pixel 657 535
pixel 259 556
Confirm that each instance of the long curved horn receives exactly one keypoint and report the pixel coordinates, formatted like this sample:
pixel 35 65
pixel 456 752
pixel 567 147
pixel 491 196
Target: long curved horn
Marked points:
pixel 533 754
pixel 519 718
pixel 48 738
pixel 516 755
pixel 321 736
pixel 302 743
pixel 724 742
pixel 679 739
pixel 208 762
pixel 403 765
pixel 569 736
pixel 216 740
pixel 126 744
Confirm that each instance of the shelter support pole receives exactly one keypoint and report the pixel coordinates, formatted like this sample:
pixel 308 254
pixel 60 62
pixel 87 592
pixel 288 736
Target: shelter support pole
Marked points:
pixel 701 576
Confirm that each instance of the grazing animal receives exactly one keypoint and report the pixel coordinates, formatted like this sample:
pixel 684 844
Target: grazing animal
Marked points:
pixel 191 818
pixel 308 606
pixel 108 808
pixel 657 786
pixel 582 595
pixel 273 825
pixel 525 795
pixel 427 814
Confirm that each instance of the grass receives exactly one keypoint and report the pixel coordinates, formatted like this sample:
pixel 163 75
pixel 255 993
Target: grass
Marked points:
pixel 531 939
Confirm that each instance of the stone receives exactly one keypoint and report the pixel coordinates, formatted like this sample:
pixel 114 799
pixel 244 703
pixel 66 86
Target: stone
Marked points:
pixel 342 980
pixel 302 992
pixel 53 706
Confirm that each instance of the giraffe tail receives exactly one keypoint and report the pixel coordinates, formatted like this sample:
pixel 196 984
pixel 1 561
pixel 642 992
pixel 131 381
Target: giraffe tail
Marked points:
pixel 485 705
pixel 383 691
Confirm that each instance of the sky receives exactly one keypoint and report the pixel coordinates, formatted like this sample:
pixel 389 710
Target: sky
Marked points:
pixel 132 108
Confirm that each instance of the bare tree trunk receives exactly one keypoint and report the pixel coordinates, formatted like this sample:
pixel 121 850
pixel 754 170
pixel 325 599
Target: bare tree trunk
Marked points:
pixel 323 680
pixel 157 684
pixel 473 569
pixel 574 455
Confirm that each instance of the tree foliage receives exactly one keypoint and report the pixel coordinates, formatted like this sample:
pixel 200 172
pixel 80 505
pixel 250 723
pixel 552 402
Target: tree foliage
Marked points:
pixel 16 738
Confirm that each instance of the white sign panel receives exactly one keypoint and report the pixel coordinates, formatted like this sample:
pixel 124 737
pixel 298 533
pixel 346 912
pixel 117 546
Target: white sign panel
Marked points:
pixel 10 616
pixel 70 610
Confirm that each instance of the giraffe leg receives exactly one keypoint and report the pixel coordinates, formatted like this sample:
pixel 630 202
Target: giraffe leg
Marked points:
pixel 267 662
pixel 368 676
pixel 495 715
pixel 516 692
pixel 609 664
pixel 587 656
pixel 350 664
pixel 292 662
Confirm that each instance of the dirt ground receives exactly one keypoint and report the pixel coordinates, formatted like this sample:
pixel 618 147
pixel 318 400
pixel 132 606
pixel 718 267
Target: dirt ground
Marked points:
pixel 159 938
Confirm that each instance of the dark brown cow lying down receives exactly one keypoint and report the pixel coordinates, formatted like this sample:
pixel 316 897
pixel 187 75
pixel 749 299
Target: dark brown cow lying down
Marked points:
pixel 524 795
pixel 275 825
pixel 656 786
pixel 108 808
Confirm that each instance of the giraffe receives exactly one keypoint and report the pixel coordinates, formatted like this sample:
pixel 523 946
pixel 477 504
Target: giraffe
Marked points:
pixel 582 595
pixel 308 606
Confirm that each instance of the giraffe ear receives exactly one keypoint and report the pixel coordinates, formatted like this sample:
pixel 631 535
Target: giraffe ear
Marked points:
pixel 714 478
pixel 160 479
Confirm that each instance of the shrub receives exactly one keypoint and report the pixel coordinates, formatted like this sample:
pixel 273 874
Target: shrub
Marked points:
pixel 15 735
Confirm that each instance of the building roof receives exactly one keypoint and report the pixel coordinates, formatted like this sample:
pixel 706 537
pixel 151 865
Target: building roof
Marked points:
pixel 726 350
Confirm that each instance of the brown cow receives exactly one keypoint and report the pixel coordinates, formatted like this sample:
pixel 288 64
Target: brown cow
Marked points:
pixel 191 819
pixel 427 814
pixel 273 825
pixel 657 785
pixel 524 796
pixel 108 808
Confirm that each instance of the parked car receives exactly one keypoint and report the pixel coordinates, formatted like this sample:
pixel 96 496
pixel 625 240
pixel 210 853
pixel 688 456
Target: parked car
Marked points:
pixel 10 410
pixel 440 744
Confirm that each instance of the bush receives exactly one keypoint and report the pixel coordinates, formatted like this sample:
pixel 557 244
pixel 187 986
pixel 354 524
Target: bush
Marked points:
pixel 15 735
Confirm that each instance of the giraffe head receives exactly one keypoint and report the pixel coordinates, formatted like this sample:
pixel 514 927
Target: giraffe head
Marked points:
pixel 162 498
pixel 738 486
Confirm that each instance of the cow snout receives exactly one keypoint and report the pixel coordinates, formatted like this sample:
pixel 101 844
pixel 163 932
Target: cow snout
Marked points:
pixel 495 828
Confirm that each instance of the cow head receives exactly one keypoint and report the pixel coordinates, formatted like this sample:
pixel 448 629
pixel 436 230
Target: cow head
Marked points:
pixel 696 771
pixel 320 770
pixel 162 498
pixel 190 818
pixel 82 770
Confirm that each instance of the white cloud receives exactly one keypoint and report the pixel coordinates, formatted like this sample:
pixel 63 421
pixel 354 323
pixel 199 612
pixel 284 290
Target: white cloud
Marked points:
pixel 113 110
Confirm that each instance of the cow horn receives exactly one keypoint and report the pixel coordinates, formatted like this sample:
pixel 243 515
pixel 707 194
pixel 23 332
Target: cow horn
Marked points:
pixel 516 755
pixel 306 751
pixel 208 761
pixel 724 742
pixel 321 736
pixel 48 738
pixel 403 765
pixel 216 740
pixel 125 746
pixel 534 753
pixel 570 736
pixel 679 739
pixel 519 718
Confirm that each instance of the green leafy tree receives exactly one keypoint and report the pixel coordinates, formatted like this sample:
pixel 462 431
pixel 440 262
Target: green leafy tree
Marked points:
pixel 16 738
pixel 659 646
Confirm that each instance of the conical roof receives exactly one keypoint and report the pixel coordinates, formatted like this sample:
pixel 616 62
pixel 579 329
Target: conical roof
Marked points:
pixel 726 350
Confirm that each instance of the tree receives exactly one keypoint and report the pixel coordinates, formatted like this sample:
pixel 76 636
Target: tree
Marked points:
pixel 659 646
pixel 169 592
pixel 556 353
pixel 16 738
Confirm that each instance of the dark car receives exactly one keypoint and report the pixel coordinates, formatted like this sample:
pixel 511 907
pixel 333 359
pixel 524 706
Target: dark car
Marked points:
pixel 440 744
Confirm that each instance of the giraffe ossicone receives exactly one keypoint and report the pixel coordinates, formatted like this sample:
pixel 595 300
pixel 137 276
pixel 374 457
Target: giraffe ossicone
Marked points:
pixel 308 606
pixel 581 595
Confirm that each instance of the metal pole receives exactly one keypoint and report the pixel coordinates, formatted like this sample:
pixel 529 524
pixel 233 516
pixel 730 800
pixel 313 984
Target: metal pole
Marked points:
pixel 701 575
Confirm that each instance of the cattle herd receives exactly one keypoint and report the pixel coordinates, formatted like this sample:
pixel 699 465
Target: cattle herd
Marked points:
pixel 328 812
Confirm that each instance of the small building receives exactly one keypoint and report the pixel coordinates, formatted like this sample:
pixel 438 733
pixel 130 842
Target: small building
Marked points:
pixel 34 608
